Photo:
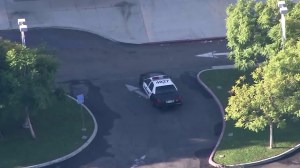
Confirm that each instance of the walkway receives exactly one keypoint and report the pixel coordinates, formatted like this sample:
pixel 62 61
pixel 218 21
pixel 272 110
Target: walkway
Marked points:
pixel 130 21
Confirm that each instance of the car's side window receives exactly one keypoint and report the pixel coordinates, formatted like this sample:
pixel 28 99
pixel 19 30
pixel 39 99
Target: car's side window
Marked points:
pixel 151 86
pixel 147 81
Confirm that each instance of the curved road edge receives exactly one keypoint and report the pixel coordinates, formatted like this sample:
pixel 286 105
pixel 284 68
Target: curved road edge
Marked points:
pixel 126 42
pixel 268 160
pixel 255 163
pixel 210 160
pixel 77 150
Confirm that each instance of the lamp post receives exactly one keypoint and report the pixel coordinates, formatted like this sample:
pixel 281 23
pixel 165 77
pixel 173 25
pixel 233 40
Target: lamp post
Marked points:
pixel 23 29
pixel 283 10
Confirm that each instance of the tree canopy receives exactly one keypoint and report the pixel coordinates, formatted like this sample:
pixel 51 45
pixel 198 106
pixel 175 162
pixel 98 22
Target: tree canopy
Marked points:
pixel 272 97
pixel 254 35
pixel 275 90
pixel 254 30
pixel 26 81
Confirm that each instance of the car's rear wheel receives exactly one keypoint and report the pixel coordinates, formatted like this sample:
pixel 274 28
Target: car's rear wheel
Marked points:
pixel 155 102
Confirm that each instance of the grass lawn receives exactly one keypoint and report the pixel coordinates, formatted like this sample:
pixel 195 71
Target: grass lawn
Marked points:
pixel 58 131
pixel 246 146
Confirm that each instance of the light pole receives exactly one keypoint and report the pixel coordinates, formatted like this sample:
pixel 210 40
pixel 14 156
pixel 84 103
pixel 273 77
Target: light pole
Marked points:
pixel 23 29
pixel 283 10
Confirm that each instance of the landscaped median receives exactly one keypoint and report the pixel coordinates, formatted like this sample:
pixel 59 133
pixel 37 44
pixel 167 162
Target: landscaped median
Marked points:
pixel 60 135
pixel 239 146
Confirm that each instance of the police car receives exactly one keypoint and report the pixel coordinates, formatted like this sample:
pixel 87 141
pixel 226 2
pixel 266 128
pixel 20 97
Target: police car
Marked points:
pixel 160 89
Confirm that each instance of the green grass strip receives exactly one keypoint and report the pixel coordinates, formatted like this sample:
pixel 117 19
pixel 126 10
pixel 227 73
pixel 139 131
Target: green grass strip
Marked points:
pixel 58 130
pixel 239 145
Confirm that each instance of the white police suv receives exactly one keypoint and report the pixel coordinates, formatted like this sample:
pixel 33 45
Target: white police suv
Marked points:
pixel 160 89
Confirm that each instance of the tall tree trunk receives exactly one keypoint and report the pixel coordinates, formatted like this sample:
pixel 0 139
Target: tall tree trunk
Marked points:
pixel 29 124
pixel 271 135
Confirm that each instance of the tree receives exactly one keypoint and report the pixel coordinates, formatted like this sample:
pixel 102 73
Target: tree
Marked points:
pixel 254 30
pixel 31 76
pixel 7 83
pixel 273 96
pixel 293 24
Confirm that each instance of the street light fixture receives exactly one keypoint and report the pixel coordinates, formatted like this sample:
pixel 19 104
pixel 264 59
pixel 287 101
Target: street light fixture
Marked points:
pixel 23 28
pixel 283 10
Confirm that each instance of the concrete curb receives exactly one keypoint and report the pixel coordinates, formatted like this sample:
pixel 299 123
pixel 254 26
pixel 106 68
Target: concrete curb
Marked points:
pixel 221 108
pixel 188 40
pixel 256 163
pixel 268 160
pixel 77 150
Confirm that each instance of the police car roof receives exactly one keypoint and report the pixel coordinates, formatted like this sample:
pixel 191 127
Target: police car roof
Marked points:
pixel 161 80
pixel 159 77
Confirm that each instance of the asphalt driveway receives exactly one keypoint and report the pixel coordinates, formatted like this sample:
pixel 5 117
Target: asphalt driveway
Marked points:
pixel 129 127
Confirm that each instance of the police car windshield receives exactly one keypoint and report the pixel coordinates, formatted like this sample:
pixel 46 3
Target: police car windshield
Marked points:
pixel 165 89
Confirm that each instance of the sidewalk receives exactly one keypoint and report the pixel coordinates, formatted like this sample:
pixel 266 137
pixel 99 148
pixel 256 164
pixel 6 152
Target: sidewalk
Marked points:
pixel 130 21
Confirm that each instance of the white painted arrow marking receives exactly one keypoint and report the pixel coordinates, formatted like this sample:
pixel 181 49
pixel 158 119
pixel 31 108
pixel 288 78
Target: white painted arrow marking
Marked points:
pixel 224 53
pixel 139 161
pixel 209 55
pixel 212 54
pixel 136 90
